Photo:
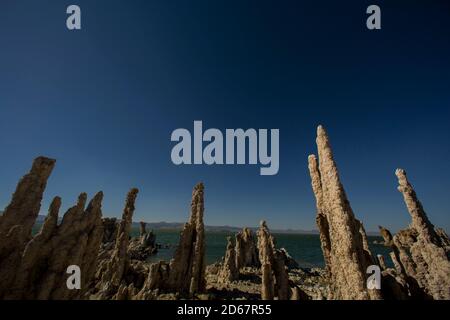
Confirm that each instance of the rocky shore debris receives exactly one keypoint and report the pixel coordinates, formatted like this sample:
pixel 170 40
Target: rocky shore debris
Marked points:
pixel 144 246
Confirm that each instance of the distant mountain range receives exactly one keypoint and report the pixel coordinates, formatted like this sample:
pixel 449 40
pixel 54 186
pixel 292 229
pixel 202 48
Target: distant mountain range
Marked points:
pixel 178 226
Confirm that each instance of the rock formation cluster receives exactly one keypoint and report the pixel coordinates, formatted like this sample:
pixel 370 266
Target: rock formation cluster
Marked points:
pixel 242 253
pixel 142 247
pixel 115 266
pixel 185 274
pixel 272 264
pixel 35 267
pixel 275 280
pixel 111 272
pixel 419 253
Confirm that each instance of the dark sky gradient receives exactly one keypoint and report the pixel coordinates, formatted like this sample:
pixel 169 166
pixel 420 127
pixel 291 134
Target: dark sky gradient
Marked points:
pixel 103 101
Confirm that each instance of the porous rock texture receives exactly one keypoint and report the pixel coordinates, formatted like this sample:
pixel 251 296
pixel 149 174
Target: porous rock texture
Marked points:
pixel 381 262
pixel 187 268
pixel 229 271
pixel 36 267
pixel 421 248
pixel 445 240
pixel 275 279
pixel 246 249
pixel 185 274
pixel 110 227
pixel 18 218
pixel 321 215
pixel 419 253
pixel 109 230
pixel 343 239
pixel 112 271
pixel 404 266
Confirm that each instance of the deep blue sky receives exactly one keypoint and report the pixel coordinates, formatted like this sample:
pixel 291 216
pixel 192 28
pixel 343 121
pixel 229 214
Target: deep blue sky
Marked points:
pixel 103 101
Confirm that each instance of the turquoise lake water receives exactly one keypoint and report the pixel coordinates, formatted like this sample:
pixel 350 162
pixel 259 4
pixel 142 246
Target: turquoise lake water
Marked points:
pixel 304 248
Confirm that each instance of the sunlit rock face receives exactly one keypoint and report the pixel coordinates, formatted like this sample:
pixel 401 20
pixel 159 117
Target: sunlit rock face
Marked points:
pixel 343 238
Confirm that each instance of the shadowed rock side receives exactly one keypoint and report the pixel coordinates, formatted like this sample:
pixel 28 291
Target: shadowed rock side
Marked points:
pixel 387 236
pixel 18 219
pixel 321 217
pixel 445 240
pixel 229 271
pixel 112 271
pixel 275 279
pixel 187 268
pixel 139 248
pixel 246 249
pixel 345 244
pixel 410 287
pixel 109 230
pixel 289 262
pixel 26 200
pixel 37 269
pixel 381 262
pixel 144 246
pixel 185 274
pixel 395 254
pixel 110 227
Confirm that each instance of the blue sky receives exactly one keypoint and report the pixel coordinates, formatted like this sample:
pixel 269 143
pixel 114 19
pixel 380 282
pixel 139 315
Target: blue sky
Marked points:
pixel 104 100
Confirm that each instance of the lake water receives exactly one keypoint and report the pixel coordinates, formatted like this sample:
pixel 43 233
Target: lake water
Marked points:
pixel 304 248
